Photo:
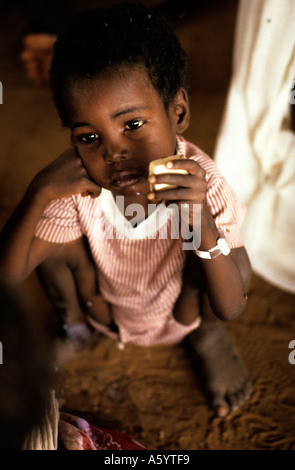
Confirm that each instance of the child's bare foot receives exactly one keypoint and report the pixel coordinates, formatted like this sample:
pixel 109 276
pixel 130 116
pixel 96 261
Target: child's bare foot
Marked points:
pixel 219 365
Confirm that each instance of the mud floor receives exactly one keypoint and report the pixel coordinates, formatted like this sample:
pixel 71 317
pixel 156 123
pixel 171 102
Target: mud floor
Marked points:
pixel 153 394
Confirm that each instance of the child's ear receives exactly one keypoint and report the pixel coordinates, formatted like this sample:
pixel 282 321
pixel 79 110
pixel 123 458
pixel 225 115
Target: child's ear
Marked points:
pixel 182 111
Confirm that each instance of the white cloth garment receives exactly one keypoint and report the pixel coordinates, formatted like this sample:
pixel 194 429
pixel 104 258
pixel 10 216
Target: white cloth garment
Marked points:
pixel 255 149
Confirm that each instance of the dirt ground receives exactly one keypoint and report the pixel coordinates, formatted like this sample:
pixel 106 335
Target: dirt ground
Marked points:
pixel 153 393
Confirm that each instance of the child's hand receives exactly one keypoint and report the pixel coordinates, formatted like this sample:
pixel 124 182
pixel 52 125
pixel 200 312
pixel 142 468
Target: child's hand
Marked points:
pixel 191 188
pixel 65 177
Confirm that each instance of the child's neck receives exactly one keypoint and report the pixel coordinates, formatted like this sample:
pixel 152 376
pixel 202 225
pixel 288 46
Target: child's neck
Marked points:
pixel 145 208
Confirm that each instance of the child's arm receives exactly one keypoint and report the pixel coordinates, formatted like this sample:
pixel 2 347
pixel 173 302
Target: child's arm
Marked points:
pixel 227 277
pixel 20 250
pixel 69 277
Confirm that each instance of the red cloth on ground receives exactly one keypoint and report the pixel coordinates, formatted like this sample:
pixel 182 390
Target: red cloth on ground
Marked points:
pixel 77 434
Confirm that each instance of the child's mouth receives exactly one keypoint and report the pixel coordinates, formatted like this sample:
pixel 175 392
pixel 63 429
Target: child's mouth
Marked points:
pixel 122 179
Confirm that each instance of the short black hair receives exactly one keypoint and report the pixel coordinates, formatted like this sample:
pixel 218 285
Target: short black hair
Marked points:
pixel 102 40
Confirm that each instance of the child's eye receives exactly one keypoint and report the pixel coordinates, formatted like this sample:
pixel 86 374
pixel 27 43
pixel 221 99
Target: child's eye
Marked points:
pixel 88 138
pixel 134 124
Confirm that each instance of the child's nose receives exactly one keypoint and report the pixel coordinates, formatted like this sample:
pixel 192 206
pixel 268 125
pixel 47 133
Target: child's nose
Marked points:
pixel 115 156
pixel 115 150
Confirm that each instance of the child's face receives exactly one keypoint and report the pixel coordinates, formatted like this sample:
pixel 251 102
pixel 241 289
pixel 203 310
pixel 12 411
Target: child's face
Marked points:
pixel 119 125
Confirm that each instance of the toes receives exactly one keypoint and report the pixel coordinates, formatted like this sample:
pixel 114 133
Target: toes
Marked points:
pixel 222 411
pixel 220 405
pixel 237 398
pixel 224 404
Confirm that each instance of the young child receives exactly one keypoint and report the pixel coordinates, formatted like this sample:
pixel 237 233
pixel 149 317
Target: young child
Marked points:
pixel 120 83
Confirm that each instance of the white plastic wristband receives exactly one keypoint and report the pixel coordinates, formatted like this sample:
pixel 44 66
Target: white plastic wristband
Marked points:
pixel 221 248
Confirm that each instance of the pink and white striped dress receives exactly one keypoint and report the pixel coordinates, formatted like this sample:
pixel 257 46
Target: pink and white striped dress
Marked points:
pixel 140 268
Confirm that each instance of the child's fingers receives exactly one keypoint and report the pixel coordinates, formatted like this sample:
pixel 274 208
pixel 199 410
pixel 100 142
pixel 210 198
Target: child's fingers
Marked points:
pixel 77 173
pixel 174 179
pixel 194 181
pixel 92 188
pixel 93 194
pixel 191 166
pixel 175 194
pixel 186 187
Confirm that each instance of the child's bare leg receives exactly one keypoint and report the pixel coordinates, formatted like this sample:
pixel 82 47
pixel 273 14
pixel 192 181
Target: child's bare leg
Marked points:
pixel 223 373
pixel 218 363
pixel 69 279
pixel 85 275
pixel 59 284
